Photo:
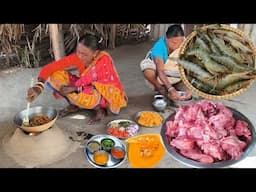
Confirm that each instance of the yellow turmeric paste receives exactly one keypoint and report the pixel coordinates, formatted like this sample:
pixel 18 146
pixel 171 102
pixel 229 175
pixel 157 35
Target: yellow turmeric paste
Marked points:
pixel 101 157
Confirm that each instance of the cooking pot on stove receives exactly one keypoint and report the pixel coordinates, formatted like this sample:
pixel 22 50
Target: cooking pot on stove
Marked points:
pixel 33 111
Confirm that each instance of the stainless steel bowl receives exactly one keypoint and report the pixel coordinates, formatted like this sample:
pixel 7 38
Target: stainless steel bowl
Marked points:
pixel 196 164
pixel 180 103
pixel 39 110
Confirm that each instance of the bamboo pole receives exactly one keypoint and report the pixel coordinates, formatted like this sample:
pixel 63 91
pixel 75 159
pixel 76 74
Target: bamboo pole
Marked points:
pixel 113 36
pixel 155 32
pixel 241 26
pixel 57 41
pixel 248 29
pixel 253 33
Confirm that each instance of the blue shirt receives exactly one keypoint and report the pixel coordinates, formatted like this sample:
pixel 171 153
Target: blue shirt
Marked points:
pixel 160 49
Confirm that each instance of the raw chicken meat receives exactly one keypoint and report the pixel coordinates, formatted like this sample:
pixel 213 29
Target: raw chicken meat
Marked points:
pixel 207 132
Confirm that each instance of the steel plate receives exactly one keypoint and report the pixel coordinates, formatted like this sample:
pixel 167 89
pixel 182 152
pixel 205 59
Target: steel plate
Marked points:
pixel 112 163
pixel 137 116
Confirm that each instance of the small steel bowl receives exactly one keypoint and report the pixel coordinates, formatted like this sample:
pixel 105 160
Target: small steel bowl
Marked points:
pixel 101 152
pixel 107 144
pixel 120 150
pixel 93 146
pixel 181 103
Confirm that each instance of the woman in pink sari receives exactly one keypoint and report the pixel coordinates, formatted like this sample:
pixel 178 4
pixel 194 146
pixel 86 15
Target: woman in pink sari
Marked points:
pixel 97 86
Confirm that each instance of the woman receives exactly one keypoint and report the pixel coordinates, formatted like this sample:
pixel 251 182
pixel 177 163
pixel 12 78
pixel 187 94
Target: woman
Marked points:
pixel 159 71
pixel 97 87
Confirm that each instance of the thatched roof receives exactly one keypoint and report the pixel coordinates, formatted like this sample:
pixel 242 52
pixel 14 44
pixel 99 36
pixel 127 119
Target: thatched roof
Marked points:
pixel 22 40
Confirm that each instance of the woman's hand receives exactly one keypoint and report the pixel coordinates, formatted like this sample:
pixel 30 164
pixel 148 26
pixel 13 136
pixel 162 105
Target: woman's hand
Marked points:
pixel 66 89
pixel 33 93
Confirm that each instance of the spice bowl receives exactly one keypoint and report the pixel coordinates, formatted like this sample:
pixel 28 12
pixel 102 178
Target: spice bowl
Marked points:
pixel 107 144
pixel 101 157
pixel 118 153
pixel 93 146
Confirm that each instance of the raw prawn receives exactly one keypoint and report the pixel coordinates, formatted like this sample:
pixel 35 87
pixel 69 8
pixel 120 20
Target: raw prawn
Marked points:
pixel 212 66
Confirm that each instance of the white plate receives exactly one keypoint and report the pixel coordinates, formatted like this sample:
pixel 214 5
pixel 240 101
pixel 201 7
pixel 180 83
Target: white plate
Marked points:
pixel 117 121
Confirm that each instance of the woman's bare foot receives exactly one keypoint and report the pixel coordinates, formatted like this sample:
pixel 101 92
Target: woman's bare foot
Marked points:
pixel 100 114
pixel 68 110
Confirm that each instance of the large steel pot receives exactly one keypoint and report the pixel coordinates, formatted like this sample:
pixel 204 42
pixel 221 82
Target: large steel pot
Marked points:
pixel 192 163
pixel 39 110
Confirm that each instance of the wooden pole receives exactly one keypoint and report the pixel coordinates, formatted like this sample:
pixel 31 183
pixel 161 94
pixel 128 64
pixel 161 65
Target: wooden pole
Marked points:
pixel 253 33
pixel 241 26
pixel 155 31
pixel 113 36
pixel 56 37
pixel 249 30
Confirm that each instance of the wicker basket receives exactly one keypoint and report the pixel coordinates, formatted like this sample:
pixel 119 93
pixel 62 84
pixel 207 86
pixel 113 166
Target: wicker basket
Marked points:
pixel 199 92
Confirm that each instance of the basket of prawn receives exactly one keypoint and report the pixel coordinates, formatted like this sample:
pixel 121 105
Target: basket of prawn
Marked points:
pixel 217 62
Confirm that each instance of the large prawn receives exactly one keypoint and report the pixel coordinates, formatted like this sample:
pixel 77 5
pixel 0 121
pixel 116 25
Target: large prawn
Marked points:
pixel 233 78
pixel 226 51
pixel 230 34
pixel 231 64
pixel 202 86
pixel 212 66
pixel 235 86
pixel 238 45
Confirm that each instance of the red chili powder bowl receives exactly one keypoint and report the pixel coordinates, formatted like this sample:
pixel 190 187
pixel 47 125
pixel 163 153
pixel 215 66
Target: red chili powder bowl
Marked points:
pixel 118 152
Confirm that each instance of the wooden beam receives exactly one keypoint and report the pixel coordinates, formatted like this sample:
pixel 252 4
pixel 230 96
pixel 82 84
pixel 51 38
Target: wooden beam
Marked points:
pixel 113 36
pixel 56 37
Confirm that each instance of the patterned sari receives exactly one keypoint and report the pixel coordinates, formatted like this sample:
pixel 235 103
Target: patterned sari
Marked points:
pixel 99 84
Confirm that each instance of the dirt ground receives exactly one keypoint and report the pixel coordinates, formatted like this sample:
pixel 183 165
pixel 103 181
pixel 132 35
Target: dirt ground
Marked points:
pixel 15 81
